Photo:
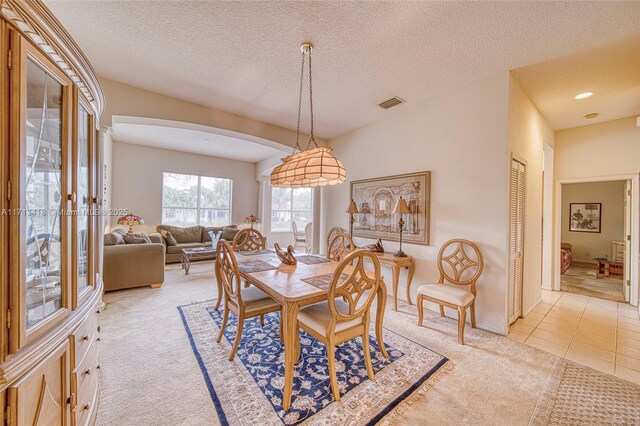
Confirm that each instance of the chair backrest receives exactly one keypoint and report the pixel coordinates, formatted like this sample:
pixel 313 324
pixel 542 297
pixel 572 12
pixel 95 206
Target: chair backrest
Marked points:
pixel 332 234
pixel 358 290
pixel 249 239
pixel 307 231
pixel 294 225
pixel 460 262
pixel 339 247
pixel 227 272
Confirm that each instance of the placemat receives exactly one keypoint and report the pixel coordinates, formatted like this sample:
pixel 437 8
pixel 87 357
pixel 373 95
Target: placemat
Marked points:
pixel 254 252
pixel 323 281
pixel 311 260
pixel 251 266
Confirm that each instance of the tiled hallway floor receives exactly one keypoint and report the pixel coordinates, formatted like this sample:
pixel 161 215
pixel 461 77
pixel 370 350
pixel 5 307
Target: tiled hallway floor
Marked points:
pixel 598 333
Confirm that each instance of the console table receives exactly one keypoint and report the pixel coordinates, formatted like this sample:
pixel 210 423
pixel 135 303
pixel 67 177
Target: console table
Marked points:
pixel 397 263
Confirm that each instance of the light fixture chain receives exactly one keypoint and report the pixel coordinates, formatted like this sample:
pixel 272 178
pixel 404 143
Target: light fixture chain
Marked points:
pixel 312 139
pixel 300 106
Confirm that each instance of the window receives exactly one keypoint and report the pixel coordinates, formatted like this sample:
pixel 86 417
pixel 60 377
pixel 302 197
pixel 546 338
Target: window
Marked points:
pixel 189 200
pixel 288 205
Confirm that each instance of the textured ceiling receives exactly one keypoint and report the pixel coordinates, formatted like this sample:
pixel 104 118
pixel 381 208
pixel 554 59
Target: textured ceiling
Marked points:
pixel 244 57
pixel 612 73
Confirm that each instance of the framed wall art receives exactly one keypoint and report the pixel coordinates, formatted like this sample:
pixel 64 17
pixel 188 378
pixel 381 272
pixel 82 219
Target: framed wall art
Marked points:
pixel 376 199
pixel 585 217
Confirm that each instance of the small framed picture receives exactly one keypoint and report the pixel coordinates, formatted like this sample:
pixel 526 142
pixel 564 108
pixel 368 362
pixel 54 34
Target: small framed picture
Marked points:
pixel 585 217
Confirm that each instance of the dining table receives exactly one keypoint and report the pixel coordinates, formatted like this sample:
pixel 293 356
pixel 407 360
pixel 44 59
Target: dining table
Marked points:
pixel 296 286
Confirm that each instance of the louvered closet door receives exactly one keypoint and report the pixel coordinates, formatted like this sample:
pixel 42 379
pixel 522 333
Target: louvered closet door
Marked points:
pixel 516 239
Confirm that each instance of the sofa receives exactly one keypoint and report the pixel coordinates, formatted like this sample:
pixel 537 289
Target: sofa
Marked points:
pixel 131 260
pixel 177 238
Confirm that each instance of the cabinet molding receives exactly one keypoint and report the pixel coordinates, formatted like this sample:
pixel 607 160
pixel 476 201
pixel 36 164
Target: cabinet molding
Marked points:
pixel 34 20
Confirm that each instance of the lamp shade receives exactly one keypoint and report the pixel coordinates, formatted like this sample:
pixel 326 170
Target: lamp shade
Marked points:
pixel 401 207
pixel 308 169
pixel 130 219
pixel 353 209
pixel 251 219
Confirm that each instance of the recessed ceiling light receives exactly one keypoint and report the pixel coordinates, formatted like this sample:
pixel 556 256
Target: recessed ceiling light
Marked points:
pixel 591 115
pixel 584 95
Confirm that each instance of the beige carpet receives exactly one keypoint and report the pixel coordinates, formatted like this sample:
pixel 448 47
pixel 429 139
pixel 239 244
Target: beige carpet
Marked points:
pixel 579 395
pixel 583 281
pixel 150 375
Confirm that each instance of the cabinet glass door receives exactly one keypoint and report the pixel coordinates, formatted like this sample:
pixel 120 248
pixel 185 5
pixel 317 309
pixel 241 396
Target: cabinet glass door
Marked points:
pixel 44 194
pixel 83 200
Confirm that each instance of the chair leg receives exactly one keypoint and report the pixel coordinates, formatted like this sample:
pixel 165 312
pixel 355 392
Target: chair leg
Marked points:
pixel 238 337
pixel 420 312
pixel 262 320
pixel 441 311
pixel 367 355
pixel 472 310
pixel 462 319
pixel 224 321
pixel 331 357
pixel 281 329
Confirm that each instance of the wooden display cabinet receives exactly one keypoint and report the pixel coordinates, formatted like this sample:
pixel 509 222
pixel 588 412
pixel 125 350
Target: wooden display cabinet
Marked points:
pixel 50 282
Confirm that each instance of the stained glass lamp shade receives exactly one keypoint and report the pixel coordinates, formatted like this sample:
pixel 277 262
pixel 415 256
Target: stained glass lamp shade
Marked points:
pixel 252 220
pixel 310 168
pixel 130 220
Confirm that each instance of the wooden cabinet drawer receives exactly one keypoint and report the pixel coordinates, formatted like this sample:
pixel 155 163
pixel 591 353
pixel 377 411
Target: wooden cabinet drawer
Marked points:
pixel 83 337
pixel 84 387
pixel 40 397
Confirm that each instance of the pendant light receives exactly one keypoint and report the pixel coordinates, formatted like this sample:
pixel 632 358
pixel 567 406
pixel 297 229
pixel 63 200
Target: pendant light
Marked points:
pixel 315 166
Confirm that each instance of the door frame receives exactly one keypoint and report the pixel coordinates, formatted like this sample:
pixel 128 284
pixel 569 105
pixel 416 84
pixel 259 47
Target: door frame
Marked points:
pixel 635 226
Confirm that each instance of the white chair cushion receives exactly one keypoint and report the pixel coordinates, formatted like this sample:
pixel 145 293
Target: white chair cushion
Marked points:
pixel 455 295
pixel 317 317
pixel 255 299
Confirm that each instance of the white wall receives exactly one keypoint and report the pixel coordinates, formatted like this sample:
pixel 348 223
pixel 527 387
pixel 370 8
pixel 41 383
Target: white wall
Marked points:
pixel 461 137
pixel 137 180
pixel 603 149
pixel 528 133
pixel 587 245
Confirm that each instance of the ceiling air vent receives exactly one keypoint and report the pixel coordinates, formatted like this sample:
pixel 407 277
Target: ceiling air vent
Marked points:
pixel 390 103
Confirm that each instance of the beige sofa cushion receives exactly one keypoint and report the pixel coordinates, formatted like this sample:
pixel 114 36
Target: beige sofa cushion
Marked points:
pixel 192 234
pixel 178 247
pixel 168 237
pixel 455 295
pixel 115 237
pixel 228 233
pixel 136 238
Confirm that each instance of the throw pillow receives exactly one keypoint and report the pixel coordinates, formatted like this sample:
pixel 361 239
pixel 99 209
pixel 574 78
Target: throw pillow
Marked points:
pixel 137 238
pixel 228 233
pixel 168 237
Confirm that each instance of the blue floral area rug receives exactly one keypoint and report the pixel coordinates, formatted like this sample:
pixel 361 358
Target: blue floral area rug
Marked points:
pixel 248 390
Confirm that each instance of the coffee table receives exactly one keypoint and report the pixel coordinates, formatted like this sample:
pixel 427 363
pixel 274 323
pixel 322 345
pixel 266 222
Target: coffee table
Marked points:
pixel 190 254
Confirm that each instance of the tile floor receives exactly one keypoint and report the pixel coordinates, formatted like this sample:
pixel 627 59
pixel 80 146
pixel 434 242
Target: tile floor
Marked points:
pixel 598 333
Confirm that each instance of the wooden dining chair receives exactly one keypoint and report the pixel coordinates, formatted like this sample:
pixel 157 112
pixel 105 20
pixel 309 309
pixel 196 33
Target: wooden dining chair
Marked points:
pixel 460 264
pixel 346 313
pixel 333 232
pixel 249 239
pixel 339 247
pixel 244 302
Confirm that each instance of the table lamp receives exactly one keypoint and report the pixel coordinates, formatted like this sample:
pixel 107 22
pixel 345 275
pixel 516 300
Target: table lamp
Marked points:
pixel 352 209
pixel 130 220
pixel 401 208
